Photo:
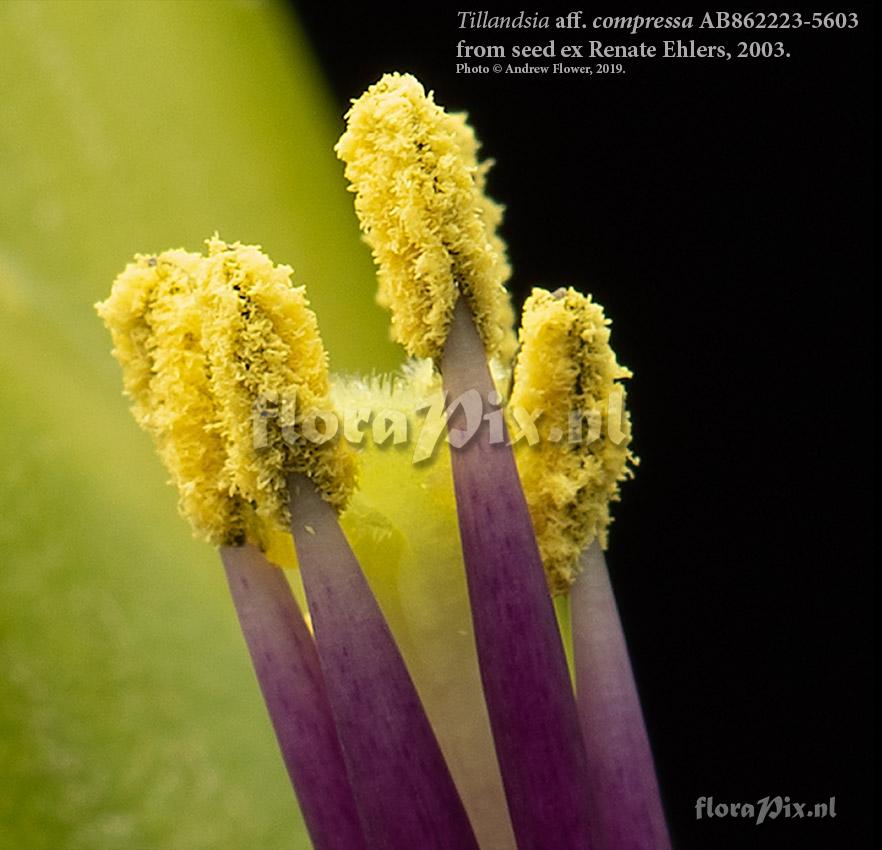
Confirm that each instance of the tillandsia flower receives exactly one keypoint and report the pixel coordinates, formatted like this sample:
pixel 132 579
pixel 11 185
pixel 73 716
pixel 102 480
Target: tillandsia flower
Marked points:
pixel 425 700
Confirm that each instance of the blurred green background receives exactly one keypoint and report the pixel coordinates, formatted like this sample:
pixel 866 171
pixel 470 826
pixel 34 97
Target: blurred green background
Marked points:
pixel 129 715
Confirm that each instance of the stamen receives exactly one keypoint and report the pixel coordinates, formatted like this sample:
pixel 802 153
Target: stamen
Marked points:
pixel 419 196
pixel 566 367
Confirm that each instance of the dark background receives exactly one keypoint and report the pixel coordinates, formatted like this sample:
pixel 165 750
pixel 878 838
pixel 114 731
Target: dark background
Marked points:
pixel 721 213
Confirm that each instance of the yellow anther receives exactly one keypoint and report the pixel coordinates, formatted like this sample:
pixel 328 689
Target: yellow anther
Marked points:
pixel 567 370
pixel 421 202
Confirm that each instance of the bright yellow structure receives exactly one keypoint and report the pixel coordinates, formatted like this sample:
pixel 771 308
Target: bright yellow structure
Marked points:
pixel 419 194
pixel 566 369
pixel 222 359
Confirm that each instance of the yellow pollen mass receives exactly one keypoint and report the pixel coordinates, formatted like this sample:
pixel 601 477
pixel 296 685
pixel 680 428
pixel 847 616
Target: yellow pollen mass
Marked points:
pixel 419 195
pixel 222 359
pixel 566 368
